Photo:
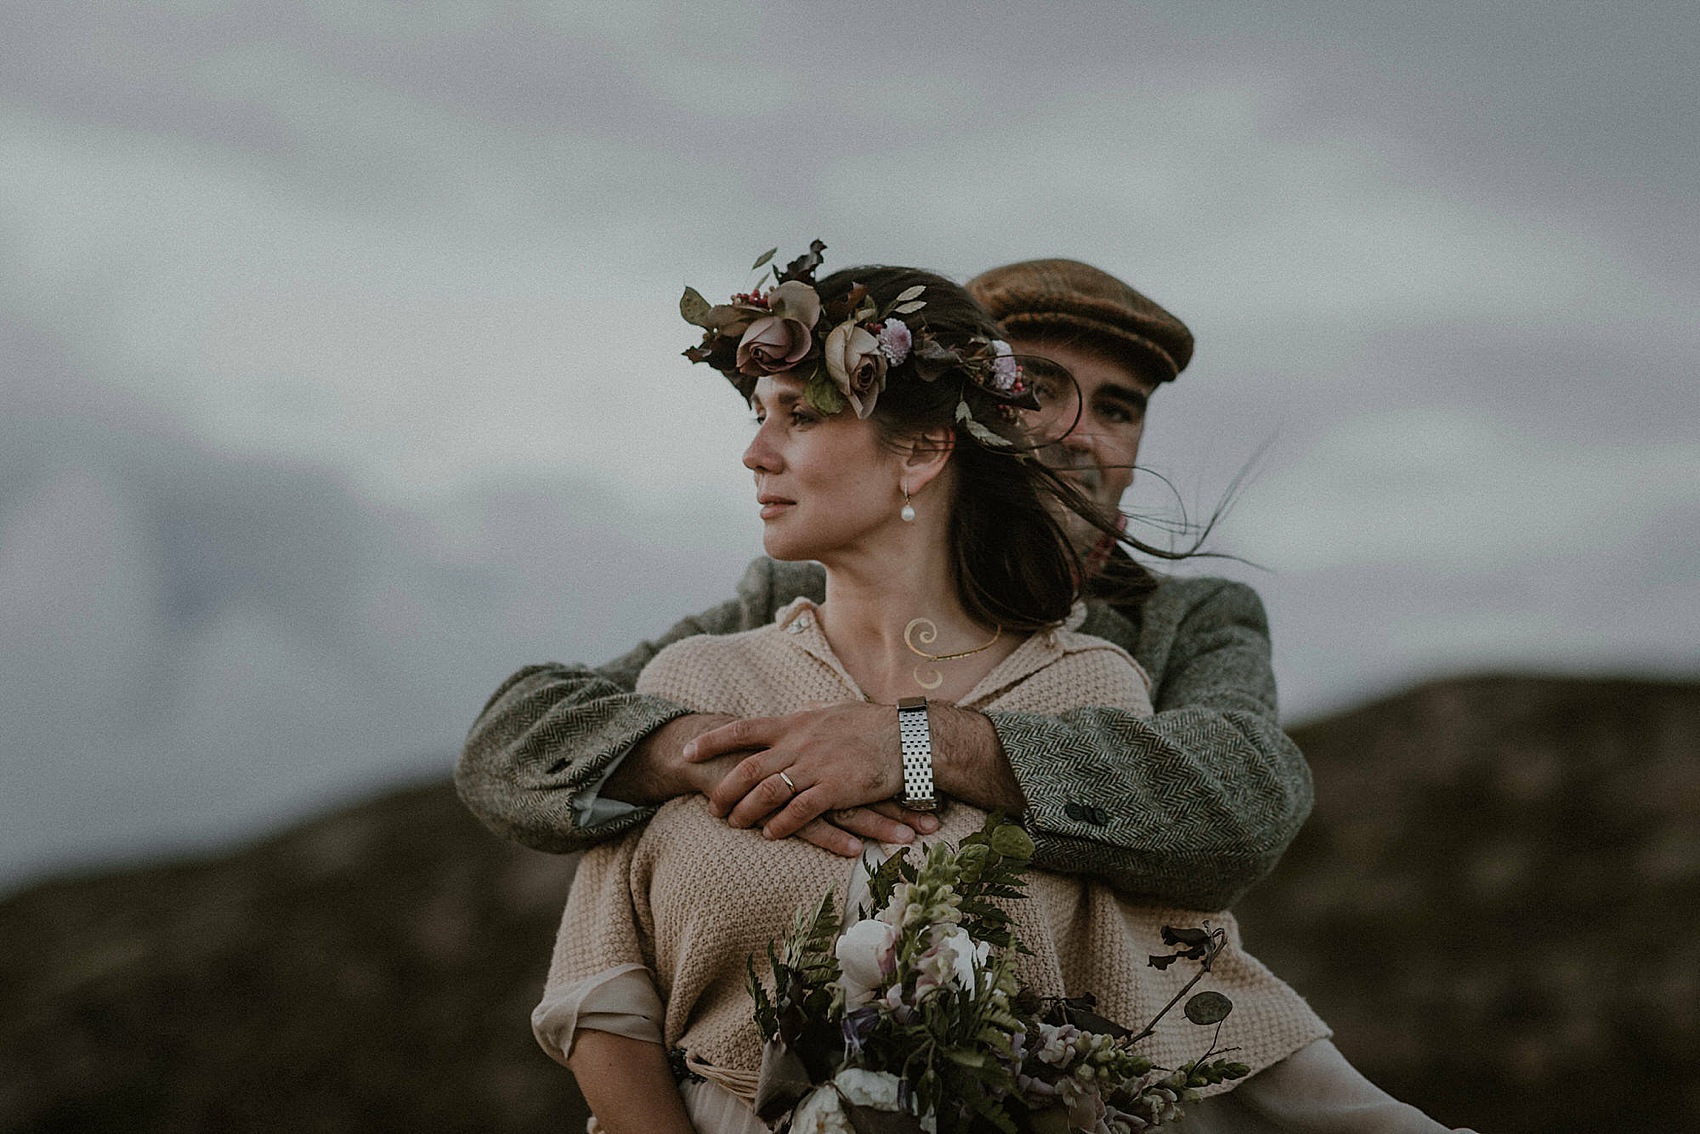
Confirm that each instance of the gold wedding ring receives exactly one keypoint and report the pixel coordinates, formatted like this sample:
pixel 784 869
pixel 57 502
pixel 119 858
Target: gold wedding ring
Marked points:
pixel 788 782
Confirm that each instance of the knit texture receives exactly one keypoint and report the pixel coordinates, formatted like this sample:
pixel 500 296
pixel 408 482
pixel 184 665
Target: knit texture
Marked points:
pixel 691 898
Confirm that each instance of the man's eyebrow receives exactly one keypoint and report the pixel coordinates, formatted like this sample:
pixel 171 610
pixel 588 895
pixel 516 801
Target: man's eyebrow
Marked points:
pixel 1130 396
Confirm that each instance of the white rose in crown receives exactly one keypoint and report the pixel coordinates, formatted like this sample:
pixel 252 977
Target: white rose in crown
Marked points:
pixel 867 953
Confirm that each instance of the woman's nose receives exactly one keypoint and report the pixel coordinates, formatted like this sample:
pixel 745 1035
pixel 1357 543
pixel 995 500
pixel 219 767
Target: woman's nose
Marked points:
pixel 758 455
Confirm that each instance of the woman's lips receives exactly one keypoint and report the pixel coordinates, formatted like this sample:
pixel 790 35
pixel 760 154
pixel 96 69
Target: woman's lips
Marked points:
pixel 773 506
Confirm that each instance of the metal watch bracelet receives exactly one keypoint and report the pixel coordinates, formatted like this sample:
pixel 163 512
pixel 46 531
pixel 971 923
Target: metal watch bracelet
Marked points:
pixel 915 742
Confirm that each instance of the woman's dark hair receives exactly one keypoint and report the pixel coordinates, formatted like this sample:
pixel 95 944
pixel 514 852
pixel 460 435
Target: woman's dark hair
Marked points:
pixel 1013 562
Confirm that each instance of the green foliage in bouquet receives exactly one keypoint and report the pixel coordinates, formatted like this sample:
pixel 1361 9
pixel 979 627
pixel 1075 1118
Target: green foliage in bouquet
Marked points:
pixel 911 1019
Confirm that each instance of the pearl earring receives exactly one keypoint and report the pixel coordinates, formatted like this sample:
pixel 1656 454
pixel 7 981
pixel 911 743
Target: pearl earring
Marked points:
pixel 907 514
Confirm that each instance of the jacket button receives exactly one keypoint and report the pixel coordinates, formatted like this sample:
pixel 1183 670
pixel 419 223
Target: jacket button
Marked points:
pixel 1074 811
pixel 1097 815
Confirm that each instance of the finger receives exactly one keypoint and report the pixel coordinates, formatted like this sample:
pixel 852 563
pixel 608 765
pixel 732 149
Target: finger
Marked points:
pixel 738 736
pixel 870 824
pixel 924 822
pixel 740 781
pixel 806 807
pixel 830 838
pixel 762 800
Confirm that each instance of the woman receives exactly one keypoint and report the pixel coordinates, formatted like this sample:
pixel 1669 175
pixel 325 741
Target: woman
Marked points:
pixel 889 447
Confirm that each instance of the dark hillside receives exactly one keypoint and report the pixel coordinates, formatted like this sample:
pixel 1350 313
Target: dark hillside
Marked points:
pixel 1496 904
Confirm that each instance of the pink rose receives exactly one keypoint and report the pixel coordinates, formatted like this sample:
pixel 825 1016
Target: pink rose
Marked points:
pixel 856 366
pixel 771 345
pixel 778 341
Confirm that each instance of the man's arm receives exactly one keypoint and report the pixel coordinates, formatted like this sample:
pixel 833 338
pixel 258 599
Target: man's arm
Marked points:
pixel 565 756
pixel 553 731
pixel 1192 806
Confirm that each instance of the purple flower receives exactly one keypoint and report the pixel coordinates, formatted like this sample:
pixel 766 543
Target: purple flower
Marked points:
pixel 1006 372
pixel 895 341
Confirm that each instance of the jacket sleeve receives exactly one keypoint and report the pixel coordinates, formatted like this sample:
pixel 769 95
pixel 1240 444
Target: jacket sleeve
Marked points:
pixel 1189 807
pixel 554 732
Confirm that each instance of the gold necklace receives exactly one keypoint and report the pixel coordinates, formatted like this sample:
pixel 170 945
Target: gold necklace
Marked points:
pixel 928 633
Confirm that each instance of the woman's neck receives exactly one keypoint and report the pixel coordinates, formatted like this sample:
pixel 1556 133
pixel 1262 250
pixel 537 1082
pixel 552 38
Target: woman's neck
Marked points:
pixel 871 600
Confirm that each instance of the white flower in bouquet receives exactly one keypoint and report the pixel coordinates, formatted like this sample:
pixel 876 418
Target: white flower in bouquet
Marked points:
pixel 1056 1044
pixel 867 954
pixel 875 1089
pixel 821 1112
pixel 950 961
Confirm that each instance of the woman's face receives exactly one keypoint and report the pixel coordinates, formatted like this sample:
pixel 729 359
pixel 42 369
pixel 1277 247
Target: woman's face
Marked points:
pixel 824 484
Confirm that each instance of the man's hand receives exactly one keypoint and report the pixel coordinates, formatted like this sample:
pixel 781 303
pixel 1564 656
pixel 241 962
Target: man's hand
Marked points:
pixel 656 771
pixel 841 759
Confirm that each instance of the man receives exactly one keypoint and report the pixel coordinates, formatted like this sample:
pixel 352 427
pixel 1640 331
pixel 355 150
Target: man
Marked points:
pixel 1189 807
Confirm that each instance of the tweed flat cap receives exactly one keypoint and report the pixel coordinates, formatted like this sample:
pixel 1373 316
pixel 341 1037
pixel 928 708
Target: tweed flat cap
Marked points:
pixel 1076 302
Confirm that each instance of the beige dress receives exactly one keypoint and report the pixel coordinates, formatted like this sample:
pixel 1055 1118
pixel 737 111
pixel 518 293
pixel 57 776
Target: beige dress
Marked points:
pixel 659 923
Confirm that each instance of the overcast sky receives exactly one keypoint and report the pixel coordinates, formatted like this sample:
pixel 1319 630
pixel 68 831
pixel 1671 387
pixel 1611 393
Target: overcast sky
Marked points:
pixel 339 361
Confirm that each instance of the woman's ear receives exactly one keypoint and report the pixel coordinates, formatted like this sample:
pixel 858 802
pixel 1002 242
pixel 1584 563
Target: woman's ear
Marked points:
pixel 926 455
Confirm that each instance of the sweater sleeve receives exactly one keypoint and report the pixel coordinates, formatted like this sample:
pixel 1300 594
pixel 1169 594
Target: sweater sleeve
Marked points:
pixel 601 972
pixel 1189 807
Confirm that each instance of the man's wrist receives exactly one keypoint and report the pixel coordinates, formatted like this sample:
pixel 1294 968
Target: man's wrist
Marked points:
pixel 655 770
pixel 969 761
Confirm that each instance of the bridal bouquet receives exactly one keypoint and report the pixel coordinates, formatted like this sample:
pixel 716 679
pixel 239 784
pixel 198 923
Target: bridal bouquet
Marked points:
pixel 911 1019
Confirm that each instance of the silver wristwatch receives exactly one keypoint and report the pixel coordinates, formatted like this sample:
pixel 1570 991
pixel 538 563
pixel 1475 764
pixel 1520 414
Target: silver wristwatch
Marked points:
pixel 915 741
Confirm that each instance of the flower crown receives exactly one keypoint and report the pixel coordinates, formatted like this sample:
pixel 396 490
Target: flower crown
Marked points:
pixel 845 350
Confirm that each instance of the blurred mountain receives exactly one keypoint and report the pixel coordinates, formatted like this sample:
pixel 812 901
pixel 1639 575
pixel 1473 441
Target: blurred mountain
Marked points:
pixel 1496 904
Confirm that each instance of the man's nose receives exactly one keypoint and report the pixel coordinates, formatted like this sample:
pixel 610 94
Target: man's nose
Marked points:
pixel 1080 438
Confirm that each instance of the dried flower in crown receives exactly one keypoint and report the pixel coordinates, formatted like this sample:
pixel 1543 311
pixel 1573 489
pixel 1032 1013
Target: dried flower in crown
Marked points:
pixel 847 350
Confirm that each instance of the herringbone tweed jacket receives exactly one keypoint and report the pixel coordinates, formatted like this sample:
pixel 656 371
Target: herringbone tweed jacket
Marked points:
pixel 1189 807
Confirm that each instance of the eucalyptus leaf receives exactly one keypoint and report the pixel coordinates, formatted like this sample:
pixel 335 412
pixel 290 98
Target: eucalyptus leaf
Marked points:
pixel 763 258
pixel 694 307
pixel 979 432
pixel 824 395
pixel 910 308
pixel 1009 840
pixel 909 293
pixel 1208 1008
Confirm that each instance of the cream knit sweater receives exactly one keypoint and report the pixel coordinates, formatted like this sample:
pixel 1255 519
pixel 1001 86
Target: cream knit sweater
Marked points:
pixel 690 898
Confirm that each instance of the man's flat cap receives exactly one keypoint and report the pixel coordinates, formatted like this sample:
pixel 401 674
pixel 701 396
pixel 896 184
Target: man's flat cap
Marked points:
pixel 1068 301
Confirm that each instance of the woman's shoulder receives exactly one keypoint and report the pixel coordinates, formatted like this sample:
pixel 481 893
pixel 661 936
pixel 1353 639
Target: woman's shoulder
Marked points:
pixel 708 650
pixel 1083 670
pixel 748 673
pixel 1091 650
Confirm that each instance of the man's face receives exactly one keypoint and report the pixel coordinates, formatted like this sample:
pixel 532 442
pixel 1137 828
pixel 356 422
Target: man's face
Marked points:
pixel 1098 455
